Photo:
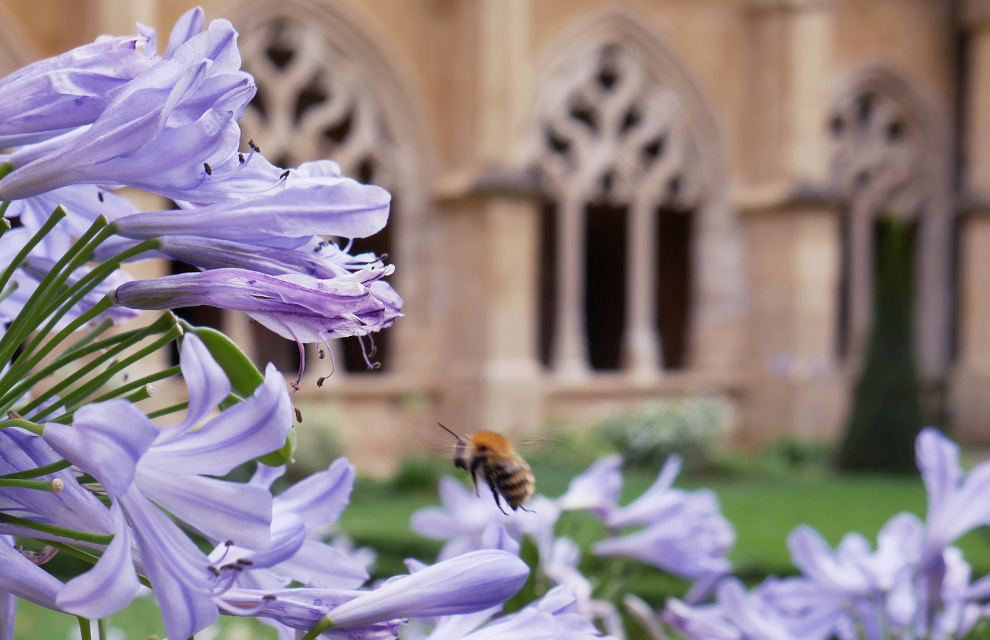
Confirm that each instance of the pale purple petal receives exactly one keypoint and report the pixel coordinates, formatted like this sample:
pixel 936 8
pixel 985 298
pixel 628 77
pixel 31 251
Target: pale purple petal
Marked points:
pixel 55 95
pixel 24 579
pixel 217 509
pixel 305 207
pixel 74 507
pixel 178 570
pixel 295 306
pixel 110 585
pixel 206 381
pixel 251 428
pixel 655 503
pixel 188 25
pixel 106 439
pixel 597 489
pixel 467 583
pixel 318 564
pixel 812 555
pixel 321 497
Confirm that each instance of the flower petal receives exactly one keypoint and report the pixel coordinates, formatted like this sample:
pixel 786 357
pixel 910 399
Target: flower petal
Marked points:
pixel 110 585
pixel 467 583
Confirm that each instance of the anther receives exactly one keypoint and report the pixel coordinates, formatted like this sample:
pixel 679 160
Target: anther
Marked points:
pixel 209 169
pixel 240 158
pixel 99 194
pixel 214 570
pixel 298 415
pixel 253 146
pixel 320 380
pixel 285 174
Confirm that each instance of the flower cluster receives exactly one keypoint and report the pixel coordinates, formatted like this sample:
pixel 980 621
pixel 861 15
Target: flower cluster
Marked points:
pixel 680 532
pixel 115 113
pixel 142 497
pixel 914 585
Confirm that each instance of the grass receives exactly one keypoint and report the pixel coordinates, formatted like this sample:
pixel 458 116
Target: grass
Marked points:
pixel 764 505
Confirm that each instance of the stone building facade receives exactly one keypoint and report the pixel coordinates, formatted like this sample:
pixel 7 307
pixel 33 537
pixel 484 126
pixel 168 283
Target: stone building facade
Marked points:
pixel 600 203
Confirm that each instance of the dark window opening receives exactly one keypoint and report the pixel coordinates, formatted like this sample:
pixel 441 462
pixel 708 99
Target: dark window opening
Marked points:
pixel 605 283
pixel 675 241
pixel 844 306
pixel 548 281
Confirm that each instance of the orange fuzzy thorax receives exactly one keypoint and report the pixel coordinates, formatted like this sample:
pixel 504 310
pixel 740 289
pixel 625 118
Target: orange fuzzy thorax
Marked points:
pixel 494 442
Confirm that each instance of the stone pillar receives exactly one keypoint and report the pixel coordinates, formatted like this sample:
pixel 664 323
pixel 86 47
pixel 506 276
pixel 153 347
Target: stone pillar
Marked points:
pixel 970 384
pixel 641 348
pixel 792 226
pixel 490 373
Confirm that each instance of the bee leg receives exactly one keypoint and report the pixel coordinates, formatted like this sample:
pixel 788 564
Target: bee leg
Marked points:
pixel 490 479
pixel 526 510
pixel 474 476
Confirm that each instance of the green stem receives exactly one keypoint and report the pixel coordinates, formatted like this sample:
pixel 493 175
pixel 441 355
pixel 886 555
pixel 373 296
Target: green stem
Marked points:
pixel 82 392
pixel 61 532
pixel 139 383
pixel 37 485
pixel 168 410
pixel 101 627
pixel 27 425
pixel 20 368
pixel 54 467
pixel 318 628
pixel 90 336
pixel 34 311
pixel 71 354
pixel 85 629
pixel 53 220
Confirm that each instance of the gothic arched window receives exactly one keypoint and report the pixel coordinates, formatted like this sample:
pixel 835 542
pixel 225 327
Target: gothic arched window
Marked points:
pixel 887 161
pixel 619 226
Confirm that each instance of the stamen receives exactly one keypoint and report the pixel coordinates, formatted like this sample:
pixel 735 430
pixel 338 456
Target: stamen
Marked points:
pixel 209 169
pixel 99 194
pixel 253 146
pixel 240 158
pixel 285 174
pixel 298 415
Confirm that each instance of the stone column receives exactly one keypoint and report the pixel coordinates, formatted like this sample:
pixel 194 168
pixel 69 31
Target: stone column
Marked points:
pixel 491 376
pixel 970 384
pixel 792 226
pixel 641 348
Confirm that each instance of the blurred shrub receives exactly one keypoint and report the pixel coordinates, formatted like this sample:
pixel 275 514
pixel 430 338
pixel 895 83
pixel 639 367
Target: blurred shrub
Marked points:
pixel 690 427
pixel 420 474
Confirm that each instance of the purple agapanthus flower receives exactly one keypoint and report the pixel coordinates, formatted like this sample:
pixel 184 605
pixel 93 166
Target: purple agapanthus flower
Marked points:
pixel 295 306
pixel 300 515
pixel 466 584
pixel 685 532
pixel 141 466
pixel 307 204
pixel 157 130
pixel 597 489
pixel 55 95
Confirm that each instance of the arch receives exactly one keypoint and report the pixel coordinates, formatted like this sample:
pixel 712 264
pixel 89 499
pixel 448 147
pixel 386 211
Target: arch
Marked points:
pixel 364 113
pixel 698 176
pixel 890 155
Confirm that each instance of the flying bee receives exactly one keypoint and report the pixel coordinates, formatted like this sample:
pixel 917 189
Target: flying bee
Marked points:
pixel 493 457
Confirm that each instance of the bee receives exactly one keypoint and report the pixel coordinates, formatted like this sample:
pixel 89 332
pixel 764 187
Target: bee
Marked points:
pixel 493 457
